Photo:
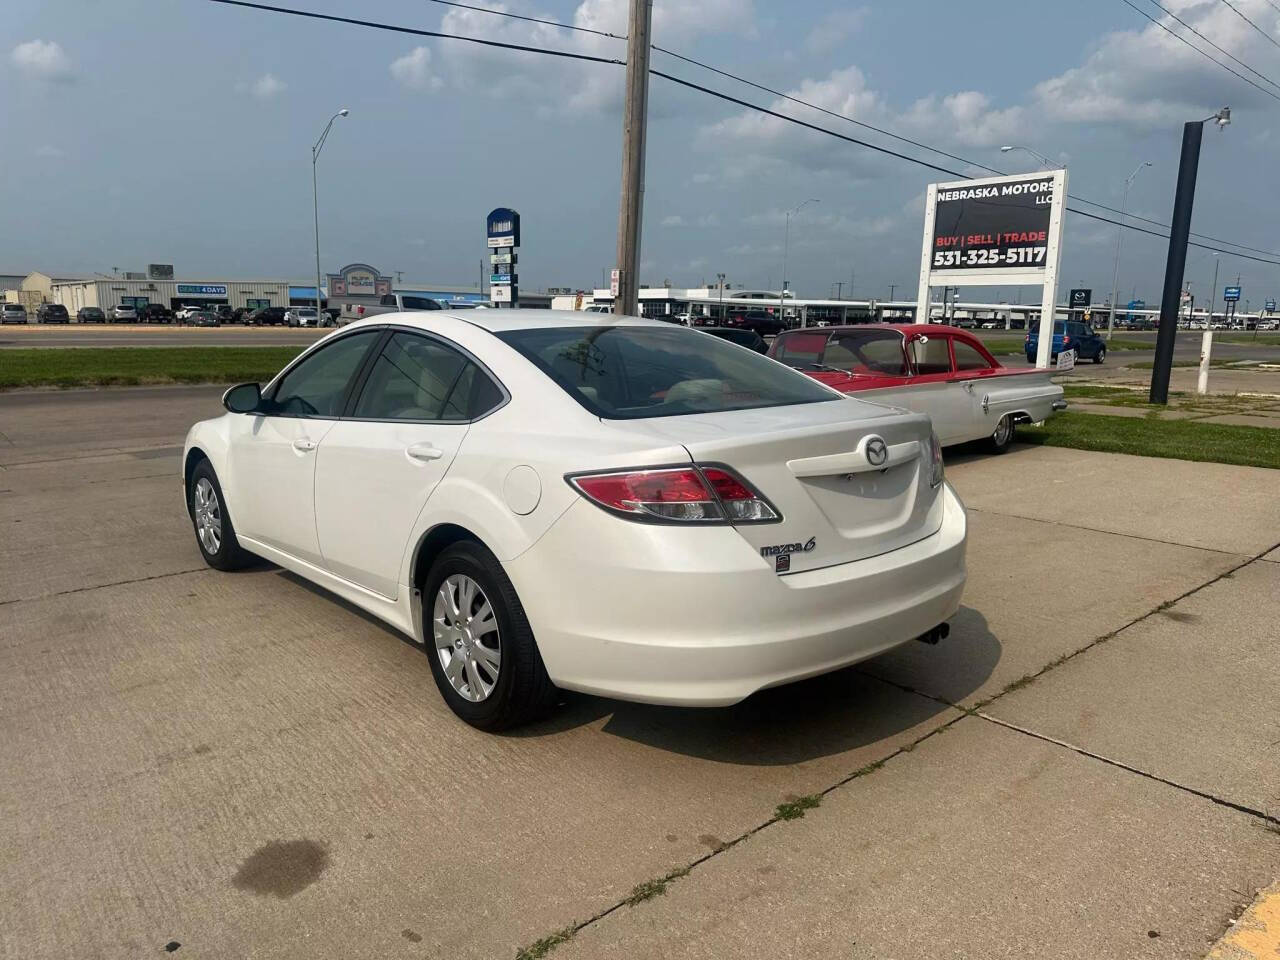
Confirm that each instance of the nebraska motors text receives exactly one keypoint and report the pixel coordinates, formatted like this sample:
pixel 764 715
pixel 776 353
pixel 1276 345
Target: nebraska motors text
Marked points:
pixel 1002 190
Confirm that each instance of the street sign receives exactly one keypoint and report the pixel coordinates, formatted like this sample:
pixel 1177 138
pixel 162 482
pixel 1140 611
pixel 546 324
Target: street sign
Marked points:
pixel 497 258
pixel 1081 297
pixel 502 232
pixel 613 281
pixel 1231 293
pixel 1271 306
pixel 501 294
pixel 1066 360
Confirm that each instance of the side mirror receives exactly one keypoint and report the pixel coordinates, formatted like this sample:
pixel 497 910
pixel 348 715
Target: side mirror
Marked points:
pixel 243 398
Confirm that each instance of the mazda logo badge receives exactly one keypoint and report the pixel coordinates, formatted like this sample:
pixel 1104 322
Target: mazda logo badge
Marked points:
pixel 877 452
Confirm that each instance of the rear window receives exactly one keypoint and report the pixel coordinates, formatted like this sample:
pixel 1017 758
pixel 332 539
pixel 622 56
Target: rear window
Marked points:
pixel 867 352
pixel 800 349
pixel 633 372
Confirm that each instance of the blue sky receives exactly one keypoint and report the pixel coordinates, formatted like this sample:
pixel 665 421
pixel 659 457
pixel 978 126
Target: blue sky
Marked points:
pixel 179 131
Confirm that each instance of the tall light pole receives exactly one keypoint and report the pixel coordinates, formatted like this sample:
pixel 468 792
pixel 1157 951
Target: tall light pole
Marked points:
pixel 1039 156
pixel 1213 290
pixel 1176 263
pixel 1115 273
pixel 786 245
pixel 720 280
pixel 315 197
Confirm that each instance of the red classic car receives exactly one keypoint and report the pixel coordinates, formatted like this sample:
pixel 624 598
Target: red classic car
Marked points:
pixel 927 368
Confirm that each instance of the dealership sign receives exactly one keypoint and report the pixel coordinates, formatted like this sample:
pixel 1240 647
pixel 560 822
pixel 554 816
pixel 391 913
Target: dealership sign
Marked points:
pixel 502 229
pixel 202 289
pixel 995 231
pixel 1231 294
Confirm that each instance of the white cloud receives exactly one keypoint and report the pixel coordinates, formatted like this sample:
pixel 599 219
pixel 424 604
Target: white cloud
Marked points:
pixel 50 152
pixel 414 70
pixel 43 60
pixel 835 29
pixel 264 88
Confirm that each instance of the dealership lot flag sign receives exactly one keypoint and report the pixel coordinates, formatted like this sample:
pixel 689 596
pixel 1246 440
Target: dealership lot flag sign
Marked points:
pixel 503 229
pixel 997 231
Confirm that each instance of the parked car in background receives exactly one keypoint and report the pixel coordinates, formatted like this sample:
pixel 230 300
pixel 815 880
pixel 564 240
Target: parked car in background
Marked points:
pixel 13 313
pixel 52 313
pixel 181 313
pixel 202 318
pixel 935 369
pixel 123 313
pixel 1068 335
pixel 155 313
pixel 685 318
pixel 329 316
pixel 743 338
pixel 721 523
pixel 757 321
pixel 598 308
pixel 268 316
pixel 389 303
pixel 1269 323
pixel 224 313
pixel 90 315
pixel 301 317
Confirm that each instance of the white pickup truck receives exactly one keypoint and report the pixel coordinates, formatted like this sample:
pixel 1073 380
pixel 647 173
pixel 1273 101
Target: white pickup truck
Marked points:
pixel 390 303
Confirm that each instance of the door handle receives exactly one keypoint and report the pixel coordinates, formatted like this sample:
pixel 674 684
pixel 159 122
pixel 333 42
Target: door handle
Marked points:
pixel 969 386
pixel 303 444
pixel 424 451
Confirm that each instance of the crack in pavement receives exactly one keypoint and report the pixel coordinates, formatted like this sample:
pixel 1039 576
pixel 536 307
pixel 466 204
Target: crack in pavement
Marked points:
pixel 1113 533
pixel 102 586
pixel 570 931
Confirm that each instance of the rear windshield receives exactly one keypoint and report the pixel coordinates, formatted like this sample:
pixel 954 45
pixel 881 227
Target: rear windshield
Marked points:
pixel 632 372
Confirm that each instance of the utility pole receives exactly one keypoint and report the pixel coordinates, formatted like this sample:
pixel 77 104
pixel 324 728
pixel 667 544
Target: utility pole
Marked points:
pixel 1176 263
pixel 892 287
pixel 635 115
pixel 720 281
pixel 839 285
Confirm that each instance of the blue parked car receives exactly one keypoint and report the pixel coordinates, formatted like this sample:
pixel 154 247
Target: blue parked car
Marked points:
pixel 1069 335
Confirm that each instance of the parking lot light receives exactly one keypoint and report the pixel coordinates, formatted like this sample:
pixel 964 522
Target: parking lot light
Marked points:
pixel 315 197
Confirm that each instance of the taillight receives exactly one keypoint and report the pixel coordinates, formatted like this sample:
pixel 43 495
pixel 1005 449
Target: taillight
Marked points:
pixel 676 495
pixel 360 311
pixel 1066 340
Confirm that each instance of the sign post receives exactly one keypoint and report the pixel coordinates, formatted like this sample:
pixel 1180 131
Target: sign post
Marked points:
pixel 503 229
pixel 996 231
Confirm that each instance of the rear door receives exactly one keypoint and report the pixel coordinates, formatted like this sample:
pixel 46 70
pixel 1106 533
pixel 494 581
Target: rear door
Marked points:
pixel 378 465
pixel 812 463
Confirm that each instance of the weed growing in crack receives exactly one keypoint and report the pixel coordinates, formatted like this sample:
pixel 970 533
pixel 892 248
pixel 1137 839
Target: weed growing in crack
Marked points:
pixel 540 948
pixel 794 809
pixel 653 888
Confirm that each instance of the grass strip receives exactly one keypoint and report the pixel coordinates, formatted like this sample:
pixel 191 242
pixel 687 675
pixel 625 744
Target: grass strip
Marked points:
pixel 1171 439
pixel 130 366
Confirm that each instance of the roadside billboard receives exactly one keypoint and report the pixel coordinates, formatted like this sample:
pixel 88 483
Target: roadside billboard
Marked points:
pixel 995 231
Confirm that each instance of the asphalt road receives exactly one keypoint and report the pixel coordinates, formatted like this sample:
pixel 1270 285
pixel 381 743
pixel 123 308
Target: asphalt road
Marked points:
pixel 241 765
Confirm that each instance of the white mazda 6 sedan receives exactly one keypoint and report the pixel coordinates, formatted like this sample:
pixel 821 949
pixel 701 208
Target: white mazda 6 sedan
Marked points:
pixel 547 499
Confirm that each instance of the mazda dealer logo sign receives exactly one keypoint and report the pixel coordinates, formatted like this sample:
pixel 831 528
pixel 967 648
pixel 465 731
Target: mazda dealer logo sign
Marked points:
pixel 877 452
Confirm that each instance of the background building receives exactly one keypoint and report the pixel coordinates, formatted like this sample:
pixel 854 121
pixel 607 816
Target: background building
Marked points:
pixel 108 292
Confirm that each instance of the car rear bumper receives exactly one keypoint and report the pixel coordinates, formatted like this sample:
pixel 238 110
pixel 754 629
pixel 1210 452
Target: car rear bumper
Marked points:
pixel 695 616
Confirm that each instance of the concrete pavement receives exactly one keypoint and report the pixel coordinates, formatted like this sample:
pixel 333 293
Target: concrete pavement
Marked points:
pixel 243 765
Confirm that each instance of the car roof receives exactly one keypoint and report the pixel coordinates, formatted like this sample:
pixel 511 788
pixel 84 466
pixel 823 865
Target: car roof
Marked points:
pixel 499 321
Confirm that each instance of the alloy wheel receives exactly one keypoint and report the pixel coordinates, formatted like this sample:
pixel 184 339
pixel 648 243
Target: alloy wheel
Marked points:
pixel 466 635
pixel 1002 431
pixel 208 516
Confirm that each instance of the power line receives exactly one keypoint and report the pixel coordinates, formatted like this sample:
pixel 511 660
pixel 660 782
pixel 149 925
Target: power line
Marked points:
pixel 1270 38
pixel 1211 59
pixel 413 31
pixel 1214 45
pixel 249 4
pixel 888 133
pixel 517 16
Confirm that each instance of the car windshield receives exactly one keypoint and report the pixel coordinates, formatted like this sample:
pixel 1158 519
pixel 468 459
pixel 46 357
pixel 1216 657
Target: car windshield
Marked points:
pixel 306 311
pixel 632 372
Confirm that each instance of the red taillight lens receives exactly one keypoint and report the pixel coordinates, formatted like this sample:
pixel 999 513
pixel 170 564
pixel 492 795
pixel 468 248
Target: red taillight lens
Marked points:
pixel 678 495
pixel 1065 341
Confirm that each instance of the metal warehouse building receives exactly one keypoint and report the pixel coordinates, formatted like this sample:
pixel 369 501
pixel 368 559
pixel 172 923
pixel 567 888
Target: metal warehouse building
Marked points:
pixel 107 292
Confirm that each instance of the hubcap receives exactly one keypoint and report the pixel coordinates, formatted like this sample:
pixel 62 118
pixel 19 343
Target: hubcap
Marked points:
pixel 208 516
pixel 466 637
pixel 1002 431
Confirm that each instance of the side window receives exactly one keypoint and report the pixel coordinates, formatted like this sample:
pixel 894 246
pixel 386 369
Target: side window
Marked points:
pixel 419 303
pixel 800 349
pixel 417 378
pixel 869 352
pixel 317 386
pixel 388 300
pixel 968 357
pixel 930 355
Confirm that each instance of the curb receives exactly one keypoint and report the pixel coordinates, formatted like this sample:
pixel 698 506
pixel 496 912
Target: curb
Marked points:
pixel 1256 935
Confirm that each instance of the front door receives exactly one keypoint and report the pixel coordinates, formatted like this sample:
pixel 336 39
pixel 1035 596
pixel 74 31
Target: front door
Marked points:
pixel 377 467
pixel 935 390
pixel 273 452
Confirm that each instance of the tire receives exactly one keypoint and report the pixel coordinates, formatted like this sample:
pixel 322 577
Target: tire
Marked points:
pixel 222 550
pixel 522 691
pixel 1002 436
pixel 1101 355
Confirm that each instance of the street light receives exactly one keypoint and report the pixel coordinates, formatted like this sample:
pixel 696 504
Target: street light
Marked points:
pixel 315 197
pixel 1176 263
pixel 720 280
pixel 1115 273
pixel 1039 156
pixel 786 244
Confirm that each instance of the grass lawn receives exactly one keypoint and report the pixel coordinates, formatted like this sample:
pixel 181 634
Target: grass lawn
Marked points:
pixel 1175 439
pixel 101 366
